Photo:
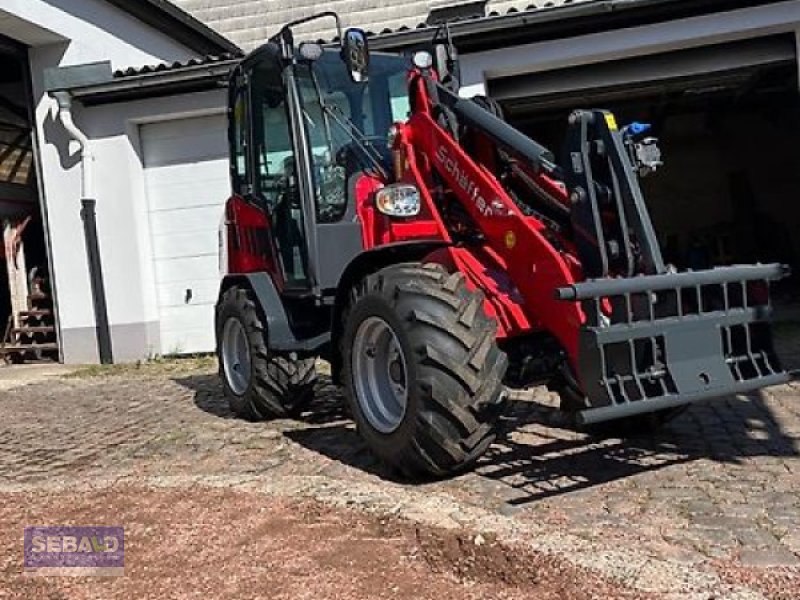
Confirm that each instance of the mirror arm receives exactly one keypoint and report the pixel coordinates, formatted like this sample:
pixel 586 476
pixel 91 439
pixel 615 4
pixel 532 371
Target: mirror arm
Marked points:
pixel 327 14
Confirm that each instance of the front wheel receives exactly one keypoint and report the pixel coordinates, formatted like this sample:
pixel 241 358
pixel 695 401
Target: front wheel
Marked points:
pixel 258 384
pixel 422 370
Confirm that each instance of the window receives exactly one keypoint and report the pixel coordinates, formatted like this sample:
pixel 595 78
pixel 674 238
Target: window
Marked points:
pixel 277 186
pixel 334 108
pixel 239 140
pixel 327 143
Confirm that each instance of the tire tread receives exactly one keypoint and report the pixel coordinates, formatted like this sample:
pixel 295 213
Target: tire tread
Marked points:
pixel 282 387
pixel 459 365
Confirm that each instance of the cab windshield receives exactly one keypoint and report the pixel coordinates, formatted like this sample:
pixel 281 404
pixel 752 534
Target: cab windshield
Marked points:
pixel 348 123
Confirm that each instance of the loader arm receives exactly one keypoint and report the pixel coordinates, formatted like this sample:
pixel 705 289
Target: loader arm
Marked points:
pixel 534 265
pixel 638 337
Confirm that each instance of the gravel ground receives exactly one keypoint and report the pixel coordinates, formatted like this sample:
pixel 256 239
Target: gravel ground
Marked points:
pixel 707 509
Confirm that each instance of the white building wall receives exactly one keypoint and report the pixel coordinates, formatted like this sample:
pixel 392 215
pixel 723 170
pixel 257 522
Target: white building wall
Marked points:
pixel 72 32
pixel 131 290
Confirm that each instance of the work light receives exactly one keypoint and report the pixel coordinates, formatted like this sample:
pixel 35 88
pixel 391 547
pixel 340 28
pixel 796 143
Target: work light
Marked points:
pixel 398 200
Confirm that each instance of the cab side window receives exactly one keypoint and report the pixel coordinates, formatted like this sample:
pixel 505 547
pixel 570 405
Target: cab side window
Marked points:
pixel 238 138
pixel 276 181
pixel 328 146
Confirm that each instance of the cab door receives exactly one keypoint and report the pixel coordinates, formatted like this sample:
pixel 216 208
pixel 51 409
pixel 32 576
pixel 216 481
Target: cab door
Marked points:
pixel 267 171
pixel 297 177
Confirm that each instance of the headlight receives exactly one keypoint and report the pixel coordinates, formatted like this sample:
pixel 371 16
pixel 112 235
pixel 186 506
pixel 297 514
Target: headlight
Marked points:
pixel 422 60
pixel 398 200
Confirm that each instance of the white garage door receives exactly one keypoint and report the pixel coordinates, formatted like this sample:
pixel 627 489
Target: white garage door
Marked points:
pixel 186 172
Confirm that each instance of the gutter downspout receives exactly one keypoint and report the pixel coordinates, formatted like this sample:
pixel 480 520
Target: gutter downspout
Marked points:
pixel 89 217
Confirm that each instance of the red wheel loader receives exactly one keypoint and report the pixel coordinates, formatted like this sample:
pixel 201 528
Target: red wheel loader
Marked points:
pixel 434 255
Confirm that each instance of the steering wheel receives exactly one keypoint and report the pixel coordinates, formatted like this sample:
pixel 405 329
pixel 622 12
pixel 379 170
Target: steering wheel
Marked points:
pixel 354 158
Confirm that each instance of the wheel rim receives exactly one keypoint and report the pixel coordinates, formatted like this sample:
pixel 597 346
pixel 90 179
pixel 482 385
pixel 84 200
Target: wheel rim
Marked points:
pixel 236 356
pixel 380 375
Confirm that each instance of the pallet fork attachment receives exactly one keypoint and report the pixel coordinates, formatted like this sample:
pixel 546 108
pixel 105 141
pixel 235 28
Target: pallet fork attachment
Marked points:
pixel 663 341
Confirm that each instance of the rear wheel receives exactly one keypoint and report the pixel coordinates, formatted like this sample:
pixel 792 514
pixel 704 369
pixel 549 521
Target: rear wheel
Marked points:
pixel 258 384
pixel 422 369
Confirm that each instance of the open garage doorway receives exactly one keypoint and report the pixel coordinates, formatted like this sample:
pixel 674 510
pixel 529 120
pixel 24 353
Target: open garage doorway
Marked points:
pixel 27 315
pixel 728 118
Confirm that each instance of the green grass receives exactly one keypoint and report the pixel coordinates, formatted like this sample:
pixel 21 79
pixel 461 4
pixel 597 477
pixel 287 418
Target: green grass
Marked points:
pixel 157 367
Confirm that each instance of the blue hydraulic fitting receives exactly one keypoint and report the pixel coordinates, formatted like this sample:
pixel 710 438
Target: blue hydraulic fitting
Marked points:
pixel 636 128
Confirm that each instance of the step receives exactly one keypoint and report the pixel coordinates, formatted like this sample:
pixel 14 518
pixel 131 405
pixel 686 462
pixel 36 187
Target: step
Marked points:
pixel 29 330
pixel 35 314
pixel 12 348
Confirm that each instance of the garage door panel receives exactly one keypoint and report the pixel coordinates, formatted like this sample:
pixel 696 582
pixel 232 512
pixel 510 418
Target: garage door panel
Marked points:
pixel 173 152
pixel 182 245
pixel 181 128
pixel 187 179
pixel 190 268
pixel 187 186
pixel 187 317
pixel 185 140
pixel 191 194
pixel 190 341
pixel 174 295
pixel 198 219
pixel 187 330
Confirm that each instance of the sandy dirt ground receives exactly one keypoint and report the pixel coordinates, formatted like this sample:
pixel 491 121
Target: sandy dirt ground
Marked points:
pixel 200 543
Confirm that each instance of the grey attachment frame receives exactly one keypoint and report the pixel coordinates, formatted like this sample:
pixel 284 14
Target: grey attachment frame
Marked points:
pixel 662 341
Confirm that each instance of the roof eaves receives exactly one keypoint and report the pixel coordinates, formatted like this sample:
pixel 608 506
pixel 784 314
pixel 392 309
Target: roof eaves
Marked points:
pixel 498 30
pixel 177 65
pixel 179 25
pixel 159 82
pixel 404 37
pixel 471 34
pixel 173 78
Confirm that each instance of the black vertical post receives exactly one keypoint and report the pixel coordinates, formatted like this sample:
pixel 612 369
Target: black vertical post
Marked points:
pixel 103 329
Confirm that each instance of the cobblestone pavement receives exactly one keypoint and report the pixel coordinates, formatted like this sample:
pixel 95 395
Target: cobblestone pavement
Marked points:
pixel 710 502
pixel 14 376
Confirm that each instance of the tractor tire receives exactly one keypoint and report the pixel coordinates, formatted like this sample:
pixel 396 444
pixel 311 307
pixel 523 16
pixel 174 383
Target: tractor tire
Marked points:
pixel 422 370
pixel 573 401
pixel 258 384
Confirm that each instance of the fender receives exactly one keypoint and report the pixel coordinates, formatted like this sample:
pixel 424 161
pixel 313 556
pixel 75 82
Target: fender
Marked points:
pixel 281 338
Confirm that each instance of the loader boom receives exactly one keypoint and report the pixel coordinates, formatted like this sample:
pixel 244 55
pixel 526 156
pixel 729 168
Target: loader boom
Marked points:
pixel 531 261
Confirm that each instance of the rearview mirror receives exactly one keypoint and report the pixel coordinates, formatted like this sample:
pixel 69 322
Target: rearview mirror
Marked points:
pixel 355 52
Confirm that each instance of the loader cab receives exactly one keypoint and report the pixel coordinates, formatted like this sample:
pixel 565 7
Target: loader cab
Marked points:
pixel 303 129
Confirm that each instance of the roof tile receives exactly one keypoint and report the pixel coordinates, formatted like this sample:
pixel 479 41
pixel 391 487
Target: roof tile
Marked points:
pixel 250 22
pixel 241 21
